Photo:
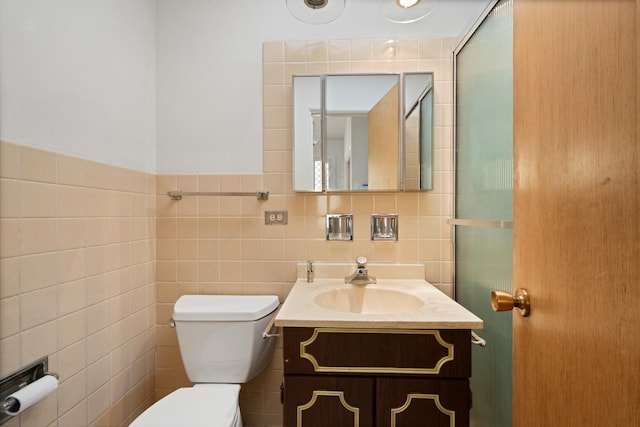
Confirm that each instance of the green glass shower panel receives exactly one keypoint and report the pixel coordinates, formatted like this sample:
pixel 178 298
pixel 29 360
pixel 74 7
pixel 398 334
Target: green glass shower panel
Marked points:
pixel 483 263
pixel 484 191
pixel 484 119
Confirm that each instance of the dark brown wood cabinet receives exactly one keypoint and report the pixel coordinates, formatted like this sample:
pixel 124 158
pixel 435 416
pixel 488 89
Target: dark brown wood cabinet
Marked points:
pixel 321 401
pixel 376 377
pixel 422 402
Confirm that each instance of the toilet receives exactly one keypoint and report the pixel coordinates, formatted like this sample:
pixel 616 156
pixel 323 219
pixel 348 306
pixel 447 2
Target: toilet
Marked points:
pixel 222 346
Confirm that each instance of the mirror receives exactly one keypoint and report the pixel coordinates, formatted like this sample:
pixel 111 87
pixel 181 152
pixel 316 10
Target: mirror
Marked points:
pixel 418 131
pixel 307 133
pixel 362 133
pixel 347 132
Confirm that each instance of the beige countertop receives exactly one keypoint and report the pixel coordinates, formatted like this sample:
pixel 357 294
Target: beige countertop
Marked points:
pixel 434 310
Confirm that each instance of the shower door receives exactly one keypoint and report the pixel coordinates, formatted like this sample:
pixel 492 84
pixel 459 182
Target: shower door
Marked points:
pixel 484 202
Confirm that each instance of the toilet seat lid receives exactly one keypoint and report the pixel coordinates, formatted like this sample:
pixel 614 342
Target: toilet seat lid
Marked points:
pixel 199 406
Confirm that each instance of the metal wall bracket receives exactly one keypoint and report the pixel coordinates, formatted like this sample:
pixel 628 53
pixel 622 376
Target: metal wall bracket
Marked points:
pixel 20 379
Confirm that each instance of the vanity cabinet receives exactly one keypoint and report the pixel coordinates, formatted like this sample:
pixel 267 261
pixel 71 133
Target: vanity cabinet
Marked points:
pixel 322 401
pixel 376 377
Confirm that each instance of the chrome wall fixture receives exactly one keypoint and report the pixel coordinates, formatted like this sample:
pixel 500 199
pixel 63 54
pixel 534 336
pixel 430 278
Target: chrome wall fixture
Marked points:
pixel 384 227
pixel 177 194
pixel 26 387
pixel 480 223
pixel 340 227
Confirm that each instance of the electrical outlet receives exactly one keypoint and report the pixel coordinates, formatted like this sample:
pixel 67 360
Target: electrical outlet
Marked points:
pixel 275 217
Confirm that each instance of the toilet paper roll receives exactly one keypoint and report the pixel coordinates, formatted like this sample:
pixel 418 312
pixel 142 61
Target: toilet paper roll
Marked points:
pixel 31 394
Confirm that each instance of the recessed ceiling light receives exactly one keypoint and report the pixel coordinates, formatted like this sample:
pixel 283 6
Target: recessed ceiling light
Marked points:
pixel 407 3
pixel 404 11
pixel 316 4
pixel 316 11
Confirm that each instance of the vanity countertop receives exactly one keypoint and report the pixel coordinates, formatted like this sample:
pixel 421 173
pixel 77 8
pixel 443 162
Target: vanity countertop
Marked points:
pixel 437 311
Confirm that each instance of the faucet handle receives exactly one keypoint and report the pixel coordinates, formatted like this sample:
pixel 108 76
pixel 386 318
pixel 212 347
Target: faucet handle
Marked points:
pixel 361 261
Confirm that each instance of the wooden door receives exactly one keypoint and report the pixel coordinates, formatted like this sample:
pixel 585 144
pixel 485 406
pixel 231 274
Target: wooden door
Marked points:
pixel 576 213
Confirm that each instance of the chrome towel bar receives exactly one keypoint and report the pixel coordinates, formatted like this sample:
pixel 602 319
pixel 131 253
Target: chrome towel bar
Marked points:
pixel 177 194
pixel 480 223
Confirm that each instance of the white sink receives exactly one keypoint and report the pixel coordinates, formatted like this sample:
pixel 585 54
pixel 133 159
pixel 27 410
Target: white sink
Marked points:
pixel 401 299
pixel 361 299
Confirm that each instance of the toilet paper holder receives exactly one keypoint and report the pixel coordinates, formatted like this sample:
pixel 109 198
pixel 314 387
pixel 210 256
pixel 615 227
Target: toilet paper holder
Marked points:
pixel 19 379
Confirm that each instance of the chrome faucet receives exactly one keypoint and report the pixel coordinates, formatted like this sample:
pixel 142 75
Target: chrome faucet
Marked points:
pixel 310 271
pixel 361 275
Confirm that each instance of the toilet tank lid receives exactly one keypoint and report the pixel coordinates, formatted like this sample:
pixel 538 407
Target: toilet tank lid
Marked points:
pixel 224 307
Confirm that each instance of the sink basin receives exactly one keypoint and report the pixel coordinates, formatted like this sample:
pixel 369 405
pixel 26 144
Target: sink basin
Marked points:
pixel 368 300
pixel 402 299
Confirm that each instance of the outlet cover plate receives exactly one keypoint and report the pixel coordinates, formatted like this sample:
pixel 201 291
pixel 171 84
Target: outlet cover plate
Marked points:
pixel 276 217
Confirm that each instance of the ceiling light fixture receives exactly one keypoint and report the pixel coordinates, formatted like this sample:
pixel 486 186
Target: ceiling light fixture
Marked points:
pixel 404 11
pixel 407 3
pixel 316 4
pixel 316 11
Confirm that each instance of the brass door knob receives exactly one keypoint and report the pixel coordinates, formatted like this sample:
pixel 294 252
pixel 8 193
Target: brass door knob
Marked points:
pixel 504 301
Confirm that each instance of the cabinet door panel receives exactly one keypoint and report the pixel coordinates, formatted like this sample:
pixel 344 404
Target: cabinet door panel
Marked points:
pixel 328 401
pixel 409 402
pixel 444 353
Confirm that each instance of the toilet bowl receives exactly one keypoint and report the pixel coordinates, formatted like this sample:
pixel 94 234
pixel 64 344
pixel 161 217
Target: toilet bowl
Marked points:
pixel 198 406
pixel 222 345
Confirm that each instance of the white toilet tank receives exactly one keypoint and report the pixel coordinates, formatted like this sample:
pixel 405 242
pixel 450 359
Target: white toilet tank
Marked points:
pixel 220 336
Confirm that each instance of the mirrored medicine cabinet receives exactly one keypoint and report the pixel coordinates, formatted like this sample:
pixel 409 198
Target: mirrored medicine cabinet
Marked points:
pixel 363 132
